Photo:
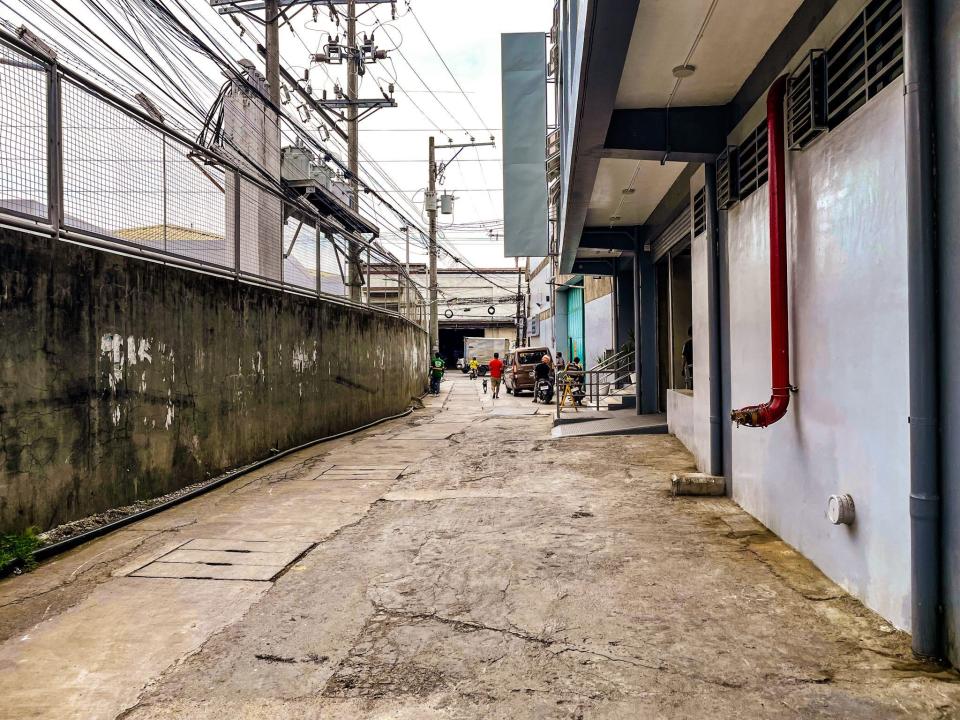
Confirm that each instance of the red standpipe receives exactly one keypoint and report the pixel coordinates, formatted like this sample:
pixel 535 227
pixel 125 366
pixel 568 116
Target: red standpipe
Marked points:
pixel 776 407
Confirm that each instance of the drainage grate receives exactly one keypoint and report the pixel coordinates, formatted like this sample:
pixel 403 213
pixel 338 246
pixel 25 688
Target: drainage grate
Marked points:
pixel 807 101
pixel 217 559
pixel 752 161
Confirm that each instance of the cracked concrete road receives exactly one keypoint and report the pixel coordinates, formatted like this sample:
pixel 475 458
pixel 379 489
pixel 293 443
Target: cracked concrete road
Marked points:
pixel 461 564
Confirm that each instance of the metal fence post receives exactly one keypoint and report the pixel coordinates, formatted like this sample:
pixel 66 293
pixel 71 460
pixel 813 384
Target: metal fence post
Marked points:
pixel 54 148
pixel 163 166
pixel 319 276
pixel 236 224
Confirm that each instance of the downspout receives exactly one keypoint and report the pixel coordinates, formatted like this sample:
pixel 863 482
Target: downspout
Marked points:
pixel 776 407
pixel 923 334
pixel 714 378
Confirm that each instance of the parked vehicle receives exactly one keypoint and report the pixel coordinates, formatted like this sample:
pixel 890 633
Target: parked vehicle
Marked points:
pixel 483 348
pixel 519 367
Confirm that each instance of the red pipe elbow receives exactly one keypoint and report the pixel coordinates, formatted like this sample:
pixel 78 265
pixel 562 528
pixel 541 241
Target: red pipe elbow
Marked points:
pixel 776 407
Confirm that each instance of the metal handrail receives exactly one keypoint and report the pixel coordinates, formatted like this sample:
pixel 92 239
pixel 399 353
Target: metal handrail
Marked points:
pixel 615 359
pixel 591 379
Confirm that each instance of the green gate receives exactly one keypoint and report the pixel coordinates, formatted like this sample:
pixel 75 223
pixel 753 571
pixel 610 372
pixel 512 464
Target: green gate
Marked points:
pixel 575 332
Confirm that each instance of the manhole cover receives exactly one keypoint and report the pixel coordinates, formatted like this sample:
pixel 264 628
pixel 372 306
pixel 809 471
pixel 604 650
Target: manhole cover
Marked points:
pixel 213 559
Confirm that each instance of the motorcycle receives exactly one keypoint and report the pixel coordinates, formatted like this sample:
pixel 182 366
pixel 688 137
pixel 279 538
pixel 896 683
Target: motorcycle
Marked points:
pixel 473 374
pixel 543 391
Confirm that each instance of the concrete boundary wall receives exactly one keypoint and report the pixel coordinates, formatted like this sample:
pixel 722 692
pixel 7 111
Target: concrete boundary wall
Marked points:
pixel 122 379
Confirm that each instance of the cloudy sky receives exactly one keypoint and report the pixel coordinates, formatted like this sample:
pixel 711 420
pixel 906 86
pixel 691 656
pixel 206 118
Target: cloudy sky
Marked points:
pixel 467 36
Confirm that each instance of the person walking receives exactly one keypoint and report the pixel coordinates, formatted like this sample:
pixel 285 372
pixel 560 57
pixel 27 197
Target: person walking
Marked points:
pixel 496 374
pixel 686 351
pixel 437 366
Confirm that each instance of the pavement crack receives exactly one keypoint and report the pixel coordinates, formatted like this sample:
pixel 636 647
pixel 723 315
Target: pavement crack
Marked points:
pixel 461 625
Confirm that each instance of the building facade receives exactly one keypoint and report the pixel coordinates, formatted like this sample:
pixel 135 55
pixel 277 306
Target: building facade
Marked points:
pixel 758 181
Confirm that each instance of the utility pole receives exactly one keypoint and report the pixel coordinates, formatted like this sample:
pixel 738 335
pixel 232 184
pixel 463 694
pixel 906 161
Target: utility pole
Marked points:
pixel 345 108
pixel 430 201
pixel 520 332
pixel 271 12
pixel 353 143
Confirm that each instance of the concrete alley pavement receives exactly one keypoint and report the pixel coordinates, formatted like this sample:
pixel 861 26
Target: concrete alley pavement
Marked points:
pixel 457 563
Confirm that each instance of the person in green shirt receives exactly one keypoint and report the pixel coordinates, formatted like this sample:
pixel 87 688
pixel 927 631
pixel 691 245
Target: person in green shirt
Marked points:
pixel 437 366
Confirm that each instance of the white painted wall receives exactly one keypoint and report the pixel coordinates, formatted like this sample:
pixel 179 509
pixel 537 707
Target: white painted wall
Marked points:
pixel 702 351
pixel 598 328
pixel 546 338
pixel 680 420
pixel 846 429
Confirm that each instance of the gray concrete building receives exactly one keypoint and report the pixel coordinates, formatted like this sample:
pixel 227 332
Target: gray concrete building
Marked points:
pixel 762 176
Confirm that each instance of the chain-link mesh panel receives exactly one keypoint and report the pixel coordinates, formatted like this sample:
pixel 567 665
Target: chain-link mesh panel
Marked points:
pixel 260 226
pixel 112 171
pixel 196 207
pixel 299 252
pixel 23 134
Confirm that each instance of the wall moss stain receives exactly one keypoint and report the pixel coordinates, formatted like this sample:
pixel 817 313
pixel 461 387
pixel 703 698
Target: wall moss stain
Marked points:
pixel 124 379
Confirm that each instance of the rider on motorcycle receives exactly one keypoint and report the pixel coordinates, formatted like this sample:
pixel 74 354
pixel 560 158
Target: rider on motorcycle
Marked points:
pixel 543 371
pixel 474 368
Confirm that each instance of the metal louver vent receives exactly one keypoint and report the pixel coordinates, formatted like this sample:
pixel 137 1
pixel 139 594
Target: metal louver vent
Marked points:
pixel 752 155
pixel 700 212
pixel 864 59
pixel 727 176
pixel 807 101
pixel 675 236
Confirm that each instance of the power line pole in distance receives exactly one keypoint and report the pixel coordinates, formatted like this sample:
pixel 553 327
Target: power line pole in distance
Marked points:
pixel 430 201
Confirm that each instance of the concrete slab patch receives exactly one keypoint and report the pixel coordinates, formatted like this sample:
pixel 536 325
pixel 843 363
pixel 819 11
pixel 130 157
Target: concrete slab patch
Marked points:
pixel 362 472
pixel 94 658
pixel 222 559
pixel 194 571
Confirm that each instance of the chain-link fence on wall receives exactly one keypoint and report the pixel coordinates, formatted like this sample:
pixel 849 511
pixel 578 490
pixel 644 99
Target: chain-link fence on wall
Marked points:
pixel 79 161
pixel 23 134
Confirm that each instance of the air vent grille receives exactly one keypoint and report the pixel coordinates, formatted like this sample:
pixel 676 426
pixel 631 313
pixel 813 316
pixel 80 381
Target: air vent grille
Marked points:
pixel 864 59
pixel 752 161
pixel 727 176
pixel 675 237
pixel 699 212
pixel 807 101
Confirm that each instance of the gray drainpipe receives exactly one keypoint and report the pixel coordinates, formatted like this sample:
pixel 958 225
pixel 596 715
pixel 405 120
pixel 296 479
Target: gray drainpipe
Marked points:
pixel 713 319
pixel 637 321
pixel 923 336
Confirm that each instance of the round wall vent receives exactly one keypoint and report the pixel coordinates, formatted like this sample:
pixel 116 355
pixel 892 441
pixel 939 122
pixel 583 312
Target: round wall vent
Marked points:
pixel 840 509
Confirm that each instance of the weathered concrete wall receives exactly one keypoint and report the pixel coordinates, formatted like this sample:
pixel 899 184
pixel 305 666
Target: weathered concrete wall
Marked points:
pixel 123 379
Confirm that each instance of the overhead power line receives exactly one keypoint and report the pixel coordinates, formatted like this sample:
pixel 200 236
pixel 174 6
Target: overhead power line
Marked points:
pixel 449 71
